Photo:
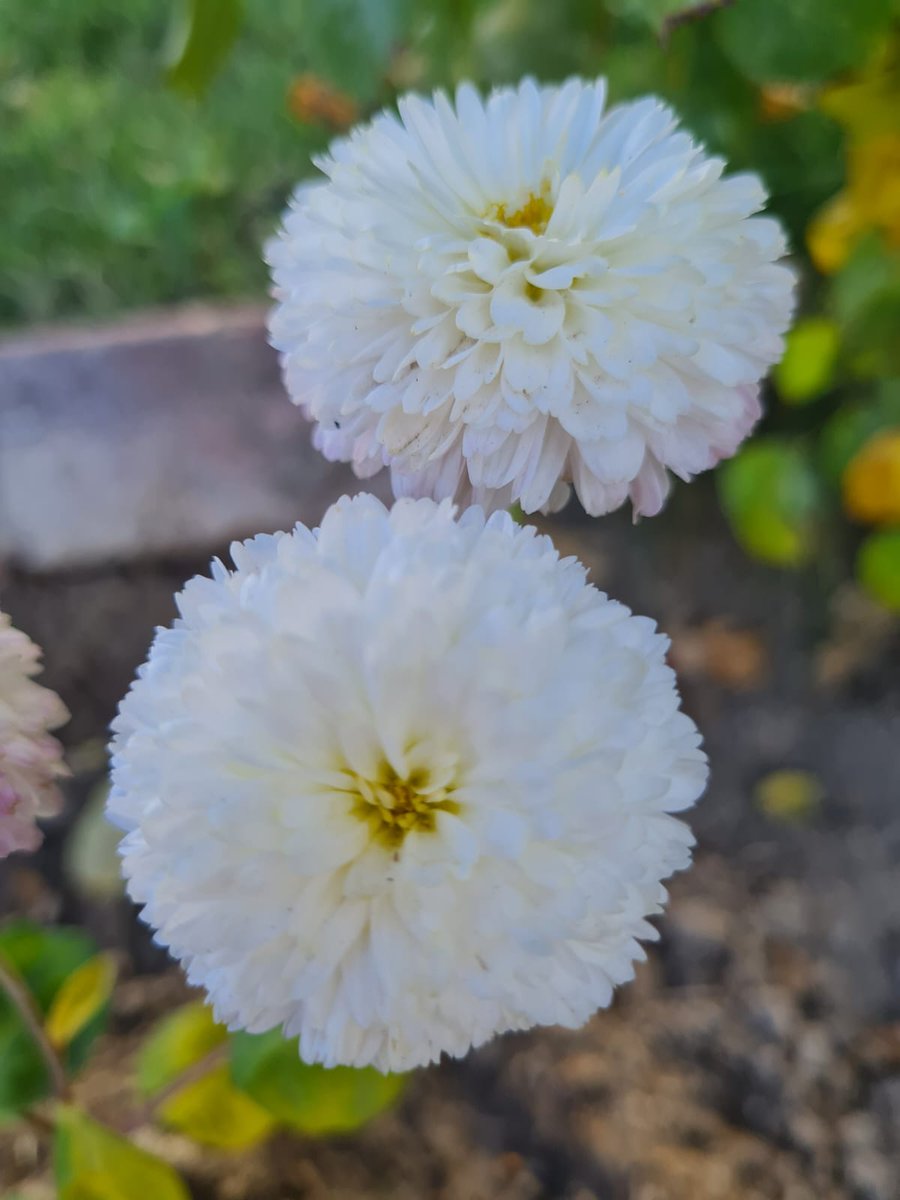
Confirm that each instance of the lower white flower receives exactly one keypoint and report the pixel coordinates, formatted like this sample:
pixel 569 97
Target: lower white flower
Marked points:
pixel 403 783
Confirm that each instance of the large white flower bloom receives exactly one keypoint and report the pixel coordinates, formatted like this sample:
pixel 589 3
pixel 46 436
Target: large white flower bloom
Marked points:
pixel 402 783
pixel 500 298
pixel 30 759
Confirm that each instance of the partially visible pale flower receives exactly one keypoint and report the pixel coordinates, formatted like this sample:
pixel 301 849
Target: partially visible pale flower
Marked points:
pixel 402 783
pixel 30 759
pixel 501 298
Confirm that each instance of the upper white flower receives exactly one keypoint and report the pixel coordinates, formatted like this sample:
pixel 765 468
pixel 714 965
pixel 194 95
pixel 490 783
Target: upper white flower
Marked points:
pixel 30 759
pixel 500 298
pixel 402 783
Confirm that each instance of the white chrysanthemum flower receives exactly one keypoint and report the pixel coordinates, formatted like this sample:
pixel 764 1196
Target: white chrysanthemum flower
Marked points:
pixel 30 759
pixel 403 783
pixel 501 298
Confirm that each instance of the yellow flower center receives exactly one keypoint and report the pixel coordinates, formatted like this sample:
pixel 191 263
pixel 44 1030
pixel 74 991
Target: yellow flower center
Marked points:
pixel 393 807
pixel 534 214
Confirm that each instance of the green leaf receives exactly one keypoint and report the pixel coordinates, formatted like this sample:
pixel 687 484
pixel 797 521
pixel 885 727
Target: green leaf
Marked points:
pixel 308 1097
pixel 878 567
pixel 869 272
pixel 350 41
pixel 202 35
pixel 866 298
pixel 93 1163
pixel 80 998
pixel 210 1109
pixel 44 958
pixel 770 496
pixel 807 368
pixel 851 427
pixel 803 39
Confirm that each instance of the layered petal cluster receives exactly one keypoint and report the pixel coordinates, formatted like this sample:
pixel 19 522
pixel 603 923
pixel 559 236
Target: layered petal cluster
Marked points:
pixel 30 759
pixel 499 299
pixel 403 782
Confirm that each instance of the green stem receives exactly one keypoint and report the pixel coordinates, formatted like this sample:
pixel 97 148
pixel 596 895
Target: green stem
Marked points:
pixel 23 1002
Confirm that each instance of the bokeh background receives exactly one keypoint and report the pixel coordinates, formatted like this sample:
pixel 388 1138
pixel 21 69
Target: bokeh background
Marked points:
pixel 146 151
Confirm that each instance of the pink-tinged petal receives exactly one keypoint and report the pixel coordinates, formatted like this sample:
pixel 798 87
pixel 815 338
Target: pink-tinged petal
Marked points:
pixel 30 759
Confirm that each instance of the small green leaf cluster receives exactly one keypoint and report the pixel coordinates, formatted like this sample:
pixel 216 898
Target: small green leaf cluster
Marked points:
pixel 229 1091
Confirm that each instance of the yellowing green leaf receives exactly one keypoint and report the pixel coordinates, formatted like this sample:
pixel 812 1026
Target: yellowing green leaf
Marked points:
pixel 93 1163
pixel 770 495
pixel 853 425
pixel 878 567
pixel 80 999
pixel 308 1097
pixel 177 1042
pixel 791 796
pixel 213 1111
pixel 807 368
pixel 833 232
pixel 210 1108
pixel 870 201
pixel 874 171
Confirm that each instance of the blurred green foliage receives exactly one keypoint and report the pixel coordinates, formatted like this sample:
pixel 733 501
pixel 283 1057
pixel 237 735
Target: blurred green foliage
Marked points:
pixel 122 192
pixel 228 1091
pixel 44 960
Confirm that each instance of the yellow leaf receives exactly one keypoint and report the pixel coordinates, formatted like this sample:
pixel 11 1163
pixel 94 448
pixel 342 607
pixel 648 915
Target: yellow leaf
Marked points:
pixel 93 1163
pixel 871 481
pixel 874 188
pixel 833 232
pixel 869 103
pixel 871 200
pixel 213 1111
pixel 79 999
pixel 91 1186
pixel 807 368
pixel 791 796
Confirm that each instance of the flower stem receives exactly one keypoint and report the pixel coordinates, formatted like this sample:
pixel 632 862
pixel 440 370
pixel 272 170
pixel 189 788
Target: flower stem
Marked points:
pixel 24 1004
pixel 39 1123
